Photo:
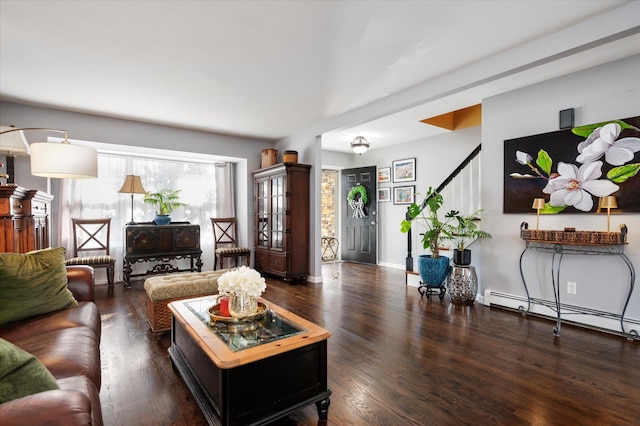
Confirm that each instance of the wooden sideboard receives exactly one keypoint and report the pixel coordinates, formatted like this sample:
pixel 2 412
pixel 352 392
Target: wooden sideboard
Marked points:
pixel 148 242
pixel 24 219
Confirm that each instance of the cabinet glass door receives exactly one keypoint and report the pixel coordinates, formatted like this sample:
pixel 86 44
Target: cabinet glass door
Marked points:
pixel 262 213
pixel 277 211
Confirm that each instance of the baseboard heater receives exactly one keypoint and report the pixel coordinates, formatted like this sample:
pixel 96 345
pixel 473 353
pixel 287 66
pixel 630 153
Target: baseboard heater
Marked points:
pixel 575 315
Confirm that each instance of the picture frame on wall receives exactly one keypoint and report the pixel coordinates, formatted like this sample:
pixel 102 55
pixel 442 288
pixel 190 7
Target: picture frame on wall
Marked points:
pixel 384 174
pixel 384 195
pixel 404 194
pixel 404 170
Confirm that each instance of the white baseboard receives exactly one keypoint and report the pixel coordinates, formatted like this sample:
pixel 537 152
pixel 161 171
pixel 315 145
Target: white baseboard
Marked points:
pixel 599 320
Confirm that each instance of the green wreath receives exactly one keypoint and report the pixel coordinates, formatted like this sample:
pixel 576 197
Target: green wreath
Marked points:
pixel 358 189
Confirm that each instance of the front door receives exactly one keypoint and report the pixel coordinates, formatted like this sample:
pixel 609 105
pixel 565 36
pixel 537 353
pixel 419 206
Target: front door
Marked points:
pixel 359 224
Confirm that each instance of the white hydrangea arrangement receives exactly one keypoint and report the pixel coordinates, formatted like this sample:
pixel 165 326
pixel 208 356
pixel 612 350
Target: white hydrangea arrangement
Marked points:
pixel 242 282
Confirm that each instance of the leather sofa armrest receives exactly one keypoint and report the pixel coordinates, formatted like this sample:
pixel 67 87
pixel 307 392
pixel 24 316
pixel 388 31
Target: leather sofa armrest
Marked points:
pixel 81 281
pixel 60 406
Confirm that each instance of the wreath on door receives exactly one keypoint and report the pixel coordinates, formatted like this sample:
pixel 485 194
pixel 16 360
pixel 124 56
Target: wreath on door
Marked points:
pixel 357 199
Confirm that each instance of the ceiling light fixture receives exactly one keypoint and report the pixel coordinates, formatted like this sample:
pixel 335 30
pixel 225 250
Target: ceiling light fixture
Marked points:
pixel 360 145
pixel 57 160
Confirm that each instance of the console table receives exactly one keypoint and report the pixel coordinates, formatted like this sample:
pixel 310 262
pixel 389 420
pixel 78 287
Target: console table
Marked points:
pixel 559 243
pixel 148 242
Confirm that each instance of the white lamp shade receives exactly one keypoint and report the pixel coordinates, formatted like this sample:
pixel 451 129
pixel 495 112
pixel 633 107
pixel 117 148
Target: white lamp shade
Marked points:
pixel 63 160
pixel 13 142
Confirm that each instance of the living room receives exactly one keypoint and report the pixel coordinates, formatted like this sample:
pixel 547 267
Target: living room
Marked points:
pixel 599 92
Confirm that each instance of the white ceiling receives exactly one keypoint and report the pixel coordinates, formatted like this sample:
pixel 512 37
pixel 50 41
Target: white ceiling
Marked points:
pixel 265 69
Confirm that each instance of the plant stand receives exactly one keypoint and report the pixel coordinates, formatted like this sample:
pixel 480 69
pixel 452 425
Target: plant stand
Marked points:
pixel 428 290
pixel 462 283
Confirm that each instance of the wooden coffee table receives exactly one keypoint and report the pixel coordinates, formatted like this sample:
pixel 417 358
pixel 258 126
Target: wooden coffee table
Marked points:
pixel 249 374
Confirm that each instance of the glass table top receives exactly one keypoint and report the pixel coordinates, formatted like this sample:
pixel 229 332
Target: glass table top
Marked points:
pixel 239 336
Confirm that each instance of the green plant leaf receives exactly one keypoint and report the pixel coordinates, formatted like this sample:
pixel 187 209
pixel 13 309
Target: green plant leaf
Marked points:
pixel 405 225
pixel 414 210
pixel 548 209
pixel 622 173
pixel 544 161
pixel 585 131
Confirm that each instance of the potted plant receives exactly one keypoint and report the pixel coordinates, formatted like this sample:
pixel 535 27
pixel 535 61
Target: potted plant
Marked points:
pixel 433 268
pixel 167 200
pixel 464 233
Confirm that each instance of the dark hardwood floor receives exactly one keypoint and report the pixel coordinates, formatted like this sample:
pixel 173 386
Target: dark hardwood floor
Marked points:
pixel 395 359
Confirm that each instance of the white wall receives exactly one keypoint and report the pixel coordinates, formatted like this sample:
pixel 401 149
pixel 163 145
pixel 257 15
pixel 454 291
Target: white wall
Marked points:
pixel 602 93
pixel 246 153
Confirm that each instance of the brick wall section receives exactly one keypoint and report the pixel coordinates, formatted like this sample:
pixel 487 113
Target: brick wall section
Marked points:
pixel 328 203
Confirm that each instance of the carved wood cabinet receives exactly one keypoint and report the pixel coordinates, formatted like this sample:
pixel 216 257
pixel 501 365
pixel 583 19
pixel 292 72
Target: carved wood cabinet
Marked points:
pixel 24 219
pixel 281 220
pixel 148 242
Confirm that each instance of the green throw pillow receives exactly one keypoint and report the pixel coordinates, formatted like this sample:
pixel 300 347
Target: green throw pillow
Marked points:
pixel 21 373
pixel 32 284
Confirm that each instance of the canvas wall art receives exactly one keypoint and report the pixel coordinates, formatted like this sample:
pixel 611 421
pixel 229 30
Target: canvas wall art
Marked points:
pixel 571 169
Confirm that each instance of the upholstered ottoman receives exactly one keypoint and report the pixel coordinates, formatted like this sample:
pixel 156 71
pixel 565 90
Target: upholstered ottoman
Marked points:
pixel 164 289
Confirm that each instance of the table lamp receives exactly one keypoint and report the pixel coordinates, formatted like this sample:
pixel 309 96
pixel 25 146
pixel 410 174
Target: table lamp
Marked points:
pixel 609 203
pixel 538 204
pixel 132 185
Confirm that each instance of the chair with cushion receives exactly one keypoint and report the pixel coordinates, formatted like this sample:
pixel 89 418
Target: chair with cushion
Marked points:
pixel 226 244
pixel 91 245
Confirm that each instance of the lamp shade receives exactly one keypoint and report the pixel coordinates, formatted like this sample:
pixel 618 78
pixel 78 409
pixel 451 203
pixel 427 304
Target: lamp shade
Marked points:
pixel 132 185
pixel 13 142
pixel 63 160
pixel 609 202
pixel 538 203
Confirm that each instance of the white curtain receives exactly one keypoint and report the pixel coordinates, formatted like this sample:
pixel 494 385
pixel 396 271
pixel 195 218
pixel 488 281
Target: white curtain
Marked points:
pixel 203 190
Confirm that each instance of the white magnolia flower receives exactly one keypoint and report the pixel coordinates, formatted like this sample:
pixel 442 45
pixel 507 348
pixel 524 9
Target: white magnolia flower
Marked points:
pixel 602 141
pixel 523 158
pixel 574 186
pixel 242 281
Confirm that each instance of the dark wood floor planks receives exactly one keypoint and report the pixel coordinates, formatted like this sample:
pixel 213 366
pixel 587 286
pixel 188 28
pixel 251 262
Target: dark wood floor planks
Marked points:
pixel 395 359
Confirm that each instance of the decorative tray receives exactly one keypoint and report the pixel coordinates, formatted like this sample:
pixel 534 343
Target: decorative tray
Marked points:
pixel 214 314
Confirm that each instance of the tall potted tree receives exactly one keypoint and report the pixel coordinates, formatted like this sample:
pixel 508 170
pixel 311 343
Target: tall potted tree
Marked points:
pixel 167 200
pixel 464 233
pixel 433 268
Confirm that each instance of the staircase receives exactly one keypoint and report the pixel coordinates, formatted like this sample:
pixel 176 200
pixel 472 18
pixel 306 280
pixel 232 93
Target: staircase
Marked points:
pixel 461 192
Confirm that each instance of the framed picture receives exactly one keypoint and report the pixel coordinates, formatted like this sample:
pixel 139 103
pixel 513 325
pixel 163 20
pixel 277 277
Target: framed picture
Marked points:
pixel 384 174
pixel 404 194
pixel 531 162
pixel 404 170
pixel 384 195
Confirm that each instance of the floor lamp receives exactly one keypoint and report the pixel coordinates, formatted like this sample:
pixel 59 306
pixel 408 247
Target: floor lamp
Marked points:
pixel 132 185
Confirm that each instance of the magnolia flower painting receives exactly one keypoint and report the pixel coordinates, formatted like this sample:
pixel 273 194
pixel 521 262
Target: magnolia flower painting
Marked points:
pixel 573 169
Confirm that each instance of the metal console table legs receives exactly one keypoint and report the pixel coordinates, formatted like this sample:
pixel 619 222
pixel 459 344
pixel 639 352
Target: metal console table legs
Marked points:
pixel 558 250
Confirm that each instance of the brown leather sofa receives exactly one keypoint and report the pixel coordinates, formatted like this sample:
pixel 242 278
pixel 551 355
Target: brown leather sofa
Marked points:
pixel 67 342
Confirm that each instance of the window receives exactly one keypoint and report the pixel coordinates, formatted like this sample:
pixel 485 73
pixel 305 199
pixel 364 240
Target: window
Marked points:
pixel 199 183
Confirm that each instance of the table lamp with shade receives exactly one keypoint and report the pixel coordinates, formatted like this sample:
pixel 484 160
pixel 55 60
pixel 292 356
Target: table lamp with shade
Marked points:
pixel 538 204
pixel 609 203
pixel 132 185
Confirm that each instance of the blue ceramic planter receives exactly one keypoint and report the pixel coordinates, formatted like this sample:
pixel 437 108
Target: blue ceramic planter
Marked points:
pixel 162 219
pixel 433 272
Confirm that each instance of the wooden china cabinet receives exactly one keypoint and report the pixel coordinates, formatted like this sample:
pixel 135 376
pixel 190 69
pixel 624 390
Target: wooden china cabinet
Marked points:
pixel 281 220
pixel 24 219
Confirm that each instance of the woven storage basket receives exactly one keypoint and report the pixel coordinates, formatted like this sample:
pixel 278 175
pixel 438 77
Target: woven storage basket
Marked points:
pixel 573 237
pixel 159 315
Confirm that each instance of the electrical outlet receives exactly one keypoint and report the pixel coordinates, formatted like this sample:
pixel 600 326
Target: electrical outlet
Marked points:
pixel 572 287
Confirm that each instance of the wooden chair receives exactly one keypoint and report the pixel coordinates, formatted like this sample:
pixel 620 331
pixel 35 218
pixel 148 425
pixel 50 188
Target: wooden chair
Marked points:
pixel 226 245
pixel 91 245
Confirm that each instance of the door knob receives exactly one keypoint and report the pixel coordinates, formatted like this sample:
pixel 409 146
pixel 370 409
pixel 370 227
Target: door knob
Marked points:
pixel 373 222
